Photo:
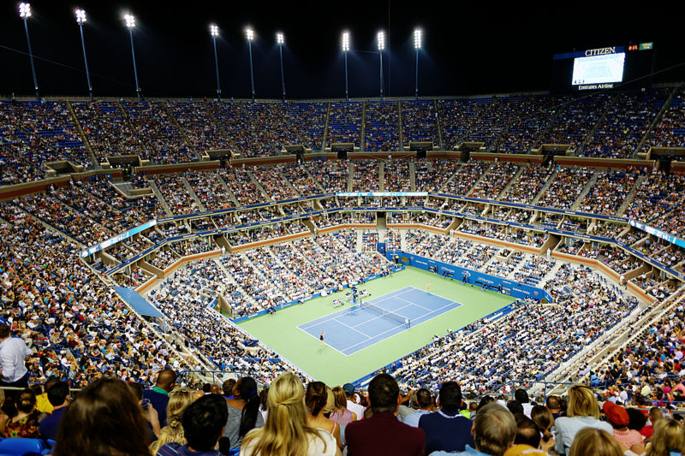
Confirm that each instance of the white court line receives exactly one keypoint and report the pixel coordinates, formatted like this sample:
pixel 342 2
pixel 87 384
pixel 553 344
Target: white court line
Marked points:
pixel 324 319
pixel 334 316
pixel 318 341
pixel 436 295
pixel 377 335
pixel 395 327
pixel 415 304
pixel 353 329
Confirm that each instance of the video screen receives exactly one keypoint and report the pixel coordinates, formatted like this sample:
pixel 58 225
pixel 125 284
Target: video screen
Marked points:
pixel 606 68
pixel 598 69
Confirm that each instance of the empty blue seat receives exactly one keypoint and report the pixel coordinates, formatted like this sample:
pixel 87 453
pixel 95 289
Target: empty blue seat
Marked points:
pixel 22 447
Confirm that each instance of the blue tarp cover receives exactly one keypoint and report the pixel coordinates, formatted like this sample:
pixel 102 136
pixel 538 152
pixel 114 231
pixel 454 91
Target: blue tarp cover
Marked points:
pixel 139 304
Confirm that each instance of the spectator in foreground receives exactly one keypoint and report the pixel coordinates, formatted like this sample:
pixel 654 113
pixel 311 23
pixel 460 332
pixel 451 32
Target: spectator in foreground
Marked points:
pixel 317 402
pixel 159 394
pixel 595 442
pixel 424 401
pixel 149 412
pixel 493 431
pixel 668 439
pixel 447 429
pixel 544 420
pixel 341 414
pixel 554 405
pixel 629 439
pixel 42 402
pixel 521 395
pixel 582 411
pixel 383 433
pixel 179 400
pixel 527 432
pixel 227 388
pixel 286 430
pixel 24 423
pixel 352 406
pixel 13 352
pixel 243 411
pixel 105 419
pixel 655 415
pixel 58 396
pixel 203 423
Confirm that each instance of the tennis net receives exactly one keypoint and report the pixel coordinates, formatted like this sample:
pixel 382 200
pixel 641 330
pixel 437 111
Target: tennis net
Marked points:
pixel 386 313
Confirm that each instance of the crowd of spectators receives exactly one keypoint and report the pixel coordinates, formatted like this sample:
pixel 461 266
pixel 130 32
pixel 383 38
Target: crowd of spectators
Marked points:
pixel 381 126
pixel 670 131
pixel 396 174
pixel 566 187
pixel 472 120
pixel 366 175
pixel 526 344
pixel 608 193
pixel 279 274
pixel 292 415
pixel 625 121
pixel 528 185
pixel 419 122
pixel 345 122
pixel 33 133
pixel 75 326
pixel 494 181
pixel 167 131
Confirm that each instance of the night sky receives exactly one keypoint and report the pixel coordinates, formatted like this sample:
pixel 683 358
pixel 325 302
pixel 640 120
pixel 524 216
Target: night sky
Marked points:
pixel 489 48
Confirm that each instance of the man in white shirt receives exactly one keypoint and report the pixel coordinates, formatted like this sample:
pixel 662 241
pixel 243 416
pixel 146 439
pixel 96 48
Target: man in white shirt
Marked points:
pixel 352 406
pixel 13 352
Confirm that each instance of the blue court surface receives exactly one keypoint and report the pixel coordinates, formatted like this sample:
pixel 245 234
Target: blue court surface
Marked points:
pixel 355 328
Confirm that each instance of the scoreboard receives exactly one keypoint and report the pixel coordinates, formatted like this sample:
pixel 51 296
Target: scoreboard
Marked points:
pixel 603 68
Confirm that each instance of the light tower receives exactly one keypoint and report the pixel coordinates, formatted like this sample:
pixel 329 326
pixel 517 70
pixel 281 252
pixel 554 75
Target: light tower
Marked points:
pixel 25 14
pixel 80 20
pixel 214 32
pixel 130 22
pixel 418 44
pixel 345 43
pixel 280 41
pixel 250 35
pixel 380 42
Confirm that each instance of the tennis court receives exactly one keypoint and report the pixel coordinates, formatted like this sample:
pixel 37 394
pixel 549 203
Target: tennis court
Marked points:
pixel 358 327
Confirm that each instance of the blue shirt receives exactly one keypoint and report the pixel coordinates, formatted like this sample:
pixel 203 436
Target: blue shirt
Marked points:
pixel 159 399
pixel 50 424
pixel 446 432
pixel 468 451
pixel 174 449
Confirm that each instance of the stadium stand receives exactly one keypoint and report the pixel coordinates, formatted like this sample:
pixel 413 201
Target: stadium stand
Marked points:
pixel 601 238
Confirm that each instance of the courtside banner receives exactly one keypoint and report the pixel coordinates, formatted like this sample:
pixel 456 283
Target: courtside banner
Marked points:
pixel 658 233
pixel 469 276
pixel 118 238
pixel 380 194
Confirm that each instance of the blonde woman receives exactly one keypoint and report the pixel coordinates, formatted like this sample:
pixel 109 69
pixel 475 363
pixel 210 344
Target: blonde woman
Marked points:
pixel 179 400
pixel 582 412
pixel 286 431
pixel 595 442
pixel 668 439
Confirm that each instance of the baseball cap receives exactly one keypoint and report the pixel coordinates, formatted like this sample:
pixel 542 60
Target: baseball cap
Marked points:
pixel 348 388
pixel 616 414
